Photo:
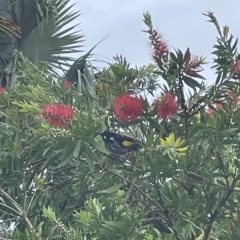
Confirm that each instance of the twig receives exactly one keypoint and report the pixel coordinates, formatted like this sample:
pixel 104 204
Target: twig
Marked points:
pixel 13 210
pixel 14 203
pixel 157 189
pixel 21 212
pixel 129 129
pixel 139 189
pixel 30 202
pixel 129 193
pixel 112 212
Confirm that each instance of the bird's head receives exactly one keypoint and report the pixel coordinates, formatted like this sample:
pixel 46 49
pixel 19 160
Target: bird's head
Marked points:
pixel 107 135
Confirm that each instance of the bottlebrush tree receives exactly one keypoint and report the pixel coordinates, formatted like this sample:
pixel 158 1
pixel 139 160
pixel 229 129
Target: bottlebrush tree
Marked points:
pixel 58 181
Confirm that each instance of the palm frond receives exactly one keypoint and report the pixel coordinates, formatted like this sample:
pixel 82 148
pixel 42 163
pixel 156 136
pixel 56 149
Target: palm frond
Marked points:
pixel 9 28
pixel 45 35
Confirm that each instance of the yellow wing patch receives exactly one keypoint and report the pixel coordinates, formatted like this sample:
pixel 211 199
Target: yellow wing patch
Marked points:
pixel 126 143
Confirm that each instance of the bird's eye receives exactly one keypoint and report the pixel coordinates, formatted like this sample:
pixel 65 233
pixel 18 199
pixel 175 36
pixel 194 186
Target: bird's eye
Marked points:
pixel 111 138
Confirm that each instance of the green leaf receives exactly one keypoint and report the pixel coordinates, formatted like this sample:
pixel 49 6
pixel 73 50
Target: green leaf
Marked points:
pixel 191 82
pixel 49 213
pixel 92 128
pixel 150 138
pixel 98 146
pixel 180 57
pixel 90 159
pixel 230 130
pixel 111 189
pixel 234 45
pixel 106 121
pixel 68 149
pixel 145 164
pixel 77 149
pixel 66 159
pixel 50 160
pixel 218 79
pixel 174 58
pixel 199 76
pixel 154 123
pixel 46 36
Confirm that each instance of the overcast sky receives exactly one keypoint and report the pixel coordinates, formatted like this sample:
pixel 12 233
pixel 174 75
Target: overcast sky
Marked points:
pixel 181 22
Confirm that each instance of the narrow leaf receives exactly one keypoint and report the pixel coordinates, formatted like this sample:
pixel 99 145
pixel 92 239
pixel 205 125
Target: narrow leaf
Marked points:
pixel 112 189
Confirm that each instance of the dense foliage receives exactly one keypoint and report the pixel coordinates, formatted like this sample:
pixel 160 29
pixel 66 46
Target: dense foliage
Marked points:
pixel 58 181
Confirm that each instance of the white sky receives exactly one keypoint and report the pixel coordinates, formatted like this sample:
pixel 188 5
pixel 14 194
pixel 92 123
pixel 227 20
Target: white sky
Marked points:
pixel 181 22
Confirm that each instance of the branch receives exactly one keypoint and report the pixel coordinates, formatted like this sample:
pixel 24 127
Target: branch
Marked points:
pixel 21 212
pixel 183 103
pixel 166 212
pixel 132 183
pixel 14 203
pixel 157 189
pixel 220 204
pixel 129 193
pixel 139 189
pixel 222 167
pixel 213 20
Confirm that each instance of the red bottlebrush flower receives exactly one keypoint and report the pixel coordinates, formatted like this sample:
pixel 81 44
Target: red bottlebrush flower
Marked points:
pixel 232 98
pixel 58 115
pixel 127 107
pixel 192 66
pixel 2 90
pixel 236 69
pixel 158 44
pixel 167 106
pixel 209 111
pixel 58 110
pixel 190 72
pixel 57 122
pixel 238 101
pixel 218 106
pixel 67 84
